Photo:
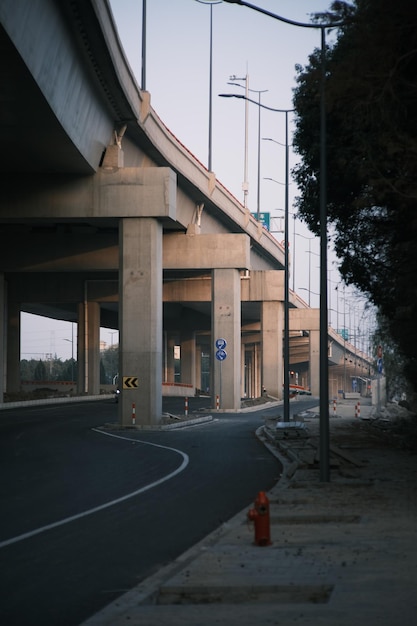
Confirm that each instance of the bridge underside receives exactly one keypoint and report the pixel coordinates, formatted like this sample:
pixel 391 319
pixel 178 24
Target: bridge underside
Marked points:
pixel 107 220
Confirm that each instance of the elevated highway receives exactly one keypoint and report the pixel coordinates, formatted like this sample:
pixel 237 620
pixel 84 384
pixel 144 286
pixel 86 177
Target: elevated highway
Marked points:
pixel 108 220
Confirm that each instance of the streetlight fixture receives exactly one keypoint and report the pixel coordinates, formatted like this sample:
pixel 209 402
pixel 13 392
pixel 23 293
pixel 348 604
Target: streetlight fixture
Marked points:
pixel 293 214
pixel 286 268
pixel 143 75
pixel 71 341
pixel 245 185
pixel 309 292
pixel 324 364
pixel 309 261
pixel 210 131
pixel 259 92
pixel 294 217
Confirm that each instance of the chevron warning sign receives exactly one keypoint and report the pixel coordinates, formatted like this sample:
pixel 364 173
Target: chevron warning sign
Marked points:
pixel 130 382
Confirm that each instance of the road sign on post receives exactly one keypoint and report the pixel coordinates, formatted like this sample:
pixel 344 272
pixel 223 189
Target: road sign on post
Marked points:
pixel 221 343
pixel 221 354
pixel 130 382
pixel 264 219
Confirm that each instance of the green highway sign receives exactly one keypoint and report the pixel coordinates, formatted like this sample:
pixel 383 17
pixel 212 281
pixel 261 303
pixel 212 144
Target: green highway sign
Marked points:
pixel 264 219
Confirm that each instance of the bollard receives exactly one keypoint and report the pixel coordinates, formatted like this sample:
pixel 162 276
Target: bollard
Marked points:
pixel 359 410
pixel 356 410
pixel 260 516
pixel 133 414
pixel 185 406
pixel 217 403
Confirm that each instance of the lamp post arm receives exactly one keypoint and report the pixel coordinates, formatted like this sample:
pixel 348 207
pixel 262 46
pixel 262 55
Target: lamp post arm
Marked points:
pixel 286 20
pixel 264 106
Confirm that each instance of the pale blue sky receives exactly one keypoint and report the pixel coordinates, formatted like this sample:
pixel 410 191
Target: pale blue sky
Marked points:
pixel 177 77
pixel 244 43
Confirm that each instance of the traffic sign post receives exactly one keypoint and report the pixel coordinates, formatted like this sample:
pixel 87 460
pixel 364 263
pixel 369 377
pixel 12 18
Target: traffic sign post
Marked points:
pixel 379 374
pixel 221 355
pixel 264 219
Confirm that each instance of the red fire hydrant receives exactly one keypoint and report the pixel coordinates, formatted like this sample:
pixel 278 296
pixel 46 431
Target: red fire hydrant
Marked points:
pixel 260 517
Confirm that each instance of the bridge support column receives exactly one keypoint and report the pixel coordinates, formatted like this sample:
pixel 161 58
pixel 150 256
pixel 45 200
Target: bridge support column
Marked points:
pixel 140 318
pixel 88 348
pixel 169 370
pixel 188 358
pixel 272 330
pixel 226 324
pixel 2 337
pixel 314 364
pixel 198 355
pixel 13 344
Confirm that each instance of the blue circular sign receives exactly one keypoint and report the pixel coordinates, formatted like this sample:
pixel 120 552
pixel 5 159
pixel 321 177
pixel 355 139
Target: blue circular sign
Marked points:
pixel 221 354
pixel 221 344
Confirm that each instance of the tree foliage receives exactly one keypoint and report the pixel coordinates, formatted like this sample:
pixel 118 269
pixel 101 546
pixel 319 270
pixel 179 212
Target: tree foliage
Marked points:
pixel 371 114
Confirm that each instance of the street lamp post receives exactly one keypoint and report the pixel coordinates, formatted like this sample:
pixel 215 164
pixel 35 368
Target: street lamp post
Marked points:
pixel 143 79
pixel 71 341
pixel 324 364
pixel 210 117
pixel 259 92
pixel 286 268
pixel 309 261
pixel 293 214
pixel 245 185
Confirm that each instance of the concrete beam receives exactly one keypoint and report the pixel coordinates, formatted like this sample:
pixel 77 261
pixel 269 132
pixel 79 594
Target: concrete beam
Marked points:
pixel 63 288
pixel 220 251
pixel 56 252
pixel 127 192
pixel 304 319
pixel 263 286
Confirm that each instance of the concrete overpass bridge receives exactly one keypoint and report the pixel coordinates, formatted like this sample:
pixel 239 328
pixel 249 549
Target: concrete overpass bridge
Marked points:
pixel 108 220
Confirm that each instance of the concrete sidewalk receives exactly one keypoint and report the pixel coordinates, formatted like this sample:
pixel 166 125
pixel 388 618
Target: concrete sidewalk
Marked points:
pixel 343 553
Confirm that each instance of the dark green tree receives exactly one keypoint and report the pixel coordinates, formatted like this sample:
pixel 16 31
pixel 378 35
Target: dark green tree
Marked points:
pixel 371 112
pixel 40 371
pixel 109 364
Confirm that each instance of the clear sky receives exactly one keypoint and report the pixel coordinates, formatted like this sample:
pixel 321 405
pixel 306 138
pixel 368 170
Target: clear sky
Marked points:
pixel 245 44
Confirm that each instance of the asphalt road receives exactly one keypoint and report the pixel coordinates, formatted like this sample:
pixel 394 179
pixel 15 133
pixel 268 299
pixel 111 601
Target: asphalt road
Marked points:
pixel 60 561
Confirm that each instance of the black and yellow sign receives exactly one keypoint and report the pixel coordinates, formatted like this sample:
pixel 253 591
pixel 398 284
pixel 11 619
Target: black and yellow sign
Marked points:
pixel 130 382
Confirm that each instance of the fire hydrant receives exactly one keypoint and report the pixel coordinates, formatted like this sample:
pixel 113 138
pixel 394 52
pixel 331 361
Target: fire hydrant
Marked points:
pixel 260 517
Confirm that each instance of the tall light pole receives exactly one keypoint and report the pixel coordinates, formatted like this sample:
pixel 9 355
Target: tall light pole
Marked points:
pixel 286 268
pixel 210 123
pixel 71 341
pixel 324 364
pixel 258 196
pixel 309 260
pixel 245 185
pixel 143 78
pixel 294 217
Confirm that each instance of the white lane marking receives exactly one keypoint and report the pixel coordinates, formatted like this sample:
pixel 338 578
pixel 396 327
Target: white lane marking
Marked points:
pixel 106 505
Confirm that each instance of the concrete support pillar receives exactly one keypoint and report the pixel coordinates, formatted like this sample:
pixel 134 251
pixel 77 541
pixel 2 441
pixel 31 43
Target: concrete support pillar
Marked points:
pixel 242 370
pixel 198 351
pixel 13 344
pixel 226 324
pixel 88 347
pixel 315 362
pixel 2 337
pixel 272 329
pixel 169 370
pixel 140 318
pixel 257 369
pixel 188 359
